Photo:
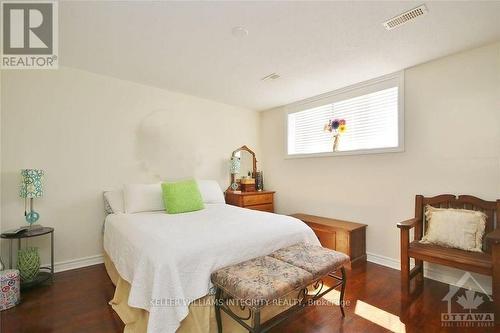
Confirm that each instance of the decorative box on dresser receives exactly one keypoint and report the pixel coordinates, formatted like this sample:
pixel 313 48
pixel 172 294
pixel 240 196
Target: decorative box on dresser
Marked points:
pixel 261 200
pixel 343 236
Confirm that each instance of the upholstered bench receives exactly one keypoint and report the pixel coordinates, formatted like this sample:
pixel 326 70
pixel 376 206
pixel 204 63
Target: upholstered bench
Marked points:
pixel 258 282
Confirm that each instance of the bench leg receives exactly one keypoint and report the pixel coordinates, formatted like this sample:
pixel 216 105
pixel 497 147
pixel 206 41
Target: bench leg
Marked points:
pixel 419 276
pixel 256 321
pixel 218 300
pixel 496 281
pixel 342 290
pixel 405 262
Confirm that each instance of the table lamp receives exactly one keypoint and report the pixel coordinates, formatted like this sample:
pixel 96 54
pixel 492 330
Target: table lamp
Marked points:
pixel 31 187
pixel 234 168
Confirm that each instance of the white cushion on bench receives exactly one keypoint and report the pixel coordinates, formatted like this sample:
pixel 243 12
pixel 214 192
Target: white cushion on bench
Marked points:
pixel 457 228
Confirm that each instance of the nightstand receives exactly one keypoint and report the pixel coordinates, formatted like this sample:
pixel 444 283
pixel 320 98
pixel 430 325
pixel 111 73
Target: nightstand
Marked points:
pixel 45 273
pixel 263 200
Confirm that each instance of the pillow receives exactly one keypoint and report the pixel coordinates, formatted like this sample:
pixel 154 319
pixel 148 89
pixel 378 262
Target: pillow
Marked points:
pixel 457 228
pixel 211 192
pixel 114 200
pixel 142 198
pixel 182 197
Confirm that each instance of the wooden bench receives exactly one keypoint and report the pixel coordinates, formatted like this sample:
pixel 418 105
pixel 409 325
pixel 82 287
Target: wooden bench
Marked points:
pixel 258 282
pixel 487 262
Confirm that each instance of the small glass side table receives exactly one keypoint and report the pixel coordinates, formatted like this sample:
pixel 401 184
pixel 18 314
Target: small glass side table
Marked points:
pixel 45 273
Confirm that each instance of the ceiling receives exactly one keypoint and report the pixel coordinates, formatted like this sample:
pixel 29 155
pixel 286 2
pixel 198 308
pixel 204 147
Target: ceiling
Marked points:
pixel 316 47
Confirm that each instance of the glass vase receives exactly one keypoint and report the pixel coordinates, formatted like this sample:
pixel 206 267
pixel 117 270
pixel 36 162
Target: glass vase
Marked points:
pixel 336 139
pixel 28 263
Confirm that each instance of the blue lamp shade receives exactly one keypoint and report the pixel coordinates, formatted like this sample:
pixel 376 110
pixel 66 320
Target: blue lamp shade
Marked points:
pixel 235 165
pixel 31 183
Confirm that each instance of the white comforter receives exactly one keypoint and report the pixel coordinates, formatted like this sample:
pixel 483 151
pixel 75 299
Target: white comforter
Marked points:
pixel 169 258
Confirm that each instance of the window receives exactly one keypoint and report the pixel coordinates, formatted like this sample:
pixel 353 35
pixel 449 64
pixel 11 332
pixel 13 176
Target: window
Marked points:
pixel 373 114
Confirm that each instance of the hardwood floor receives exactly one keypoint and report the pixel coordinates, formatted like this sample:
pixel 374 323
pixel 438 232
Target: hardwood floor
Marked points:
pixel 78 302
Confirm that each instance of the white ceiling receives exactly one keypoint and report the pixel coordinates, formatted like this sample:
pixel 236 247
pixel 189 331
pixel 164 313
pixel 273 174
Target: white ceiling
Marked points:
pixel 315 46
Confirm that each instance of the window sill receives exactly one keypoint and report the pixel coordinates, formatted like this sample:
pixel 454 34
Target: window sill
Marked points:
pixel 347 153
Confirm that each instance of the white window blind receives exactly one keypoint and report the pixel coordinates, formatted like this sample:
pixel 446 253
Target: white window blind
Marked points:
pixel 371 119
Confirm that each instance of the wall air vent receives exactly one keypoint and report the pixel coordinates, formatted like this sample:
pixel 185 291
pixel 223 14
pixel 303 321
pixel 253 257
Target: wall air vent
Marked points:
pixel 405 17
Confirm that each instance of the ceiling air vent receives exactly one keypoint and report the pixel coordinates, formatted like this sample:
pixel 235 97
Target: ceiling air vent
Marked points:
pixel 272 76
pixel 405 17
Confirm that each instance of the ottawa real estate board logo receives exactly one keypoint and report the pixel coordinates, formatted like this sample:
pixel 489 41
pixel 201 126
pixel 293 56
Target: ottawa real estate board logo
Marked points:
pixel 29 34
pixel 465 307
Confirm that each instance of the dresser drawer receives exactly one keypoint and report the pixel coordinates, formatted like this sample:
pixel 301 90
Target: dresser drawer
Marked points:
pixel 265 207
pixel 258 199
pixel 326 238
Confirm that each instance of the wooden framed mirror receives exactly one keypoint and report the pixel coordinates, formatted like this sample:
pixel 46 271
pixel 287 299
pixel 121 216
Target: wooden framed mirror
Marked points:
pixel 243 166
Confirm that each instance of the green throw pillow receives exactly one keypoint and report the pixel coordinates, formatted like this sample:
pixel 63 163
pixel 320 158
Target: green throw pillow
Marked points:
pixel 182 197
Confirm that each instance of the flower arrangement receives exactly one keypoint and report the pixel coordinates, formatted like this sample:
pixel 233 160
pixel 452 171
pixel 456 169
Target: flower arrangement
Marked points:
pixel 337 127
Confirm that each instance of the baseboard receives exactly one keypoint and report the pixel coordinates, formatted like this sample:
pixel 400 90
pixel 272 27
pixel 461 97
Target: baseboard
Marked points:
pixel 383 260
pixel 78 263
pixel 436 274
pixel 429 272
pixel 98 259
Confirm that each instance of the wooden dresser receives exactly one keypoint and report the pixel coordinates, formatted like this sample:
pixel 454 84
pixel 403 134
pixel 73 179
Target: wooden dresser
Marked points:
pixel 343 236
pixel 263 200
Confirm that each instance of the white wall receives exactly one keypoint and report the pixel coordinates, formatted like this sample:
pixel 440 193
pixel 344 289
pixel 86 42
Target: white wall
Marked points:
pixel 92 133
pixel 452 145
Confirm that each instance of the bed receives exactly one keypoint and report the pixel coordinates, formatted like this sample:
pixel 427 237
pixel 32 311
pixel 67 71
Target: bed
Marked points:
pixel 161 263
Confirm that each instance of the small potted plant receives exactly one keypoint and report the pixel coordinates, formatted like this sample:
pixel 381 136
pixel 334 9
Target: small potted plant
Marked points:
pixel 337 127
